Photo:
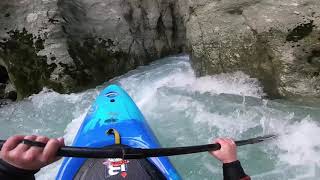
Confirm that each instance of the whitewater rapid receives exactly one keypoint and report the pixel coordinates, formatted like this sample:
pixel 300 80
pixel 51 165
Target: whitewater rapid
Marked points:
pixel 185 110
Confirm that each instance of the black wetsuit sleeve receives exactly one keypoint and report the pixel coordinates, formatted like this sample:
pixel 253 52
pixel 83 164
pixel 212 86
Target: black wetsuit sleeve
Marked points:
pixel 9 172
pixel 234 171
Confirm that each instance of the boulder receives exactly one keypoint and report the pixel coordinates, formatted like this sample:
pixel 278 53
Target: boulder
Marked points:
pixel 10 92
pixel 277 42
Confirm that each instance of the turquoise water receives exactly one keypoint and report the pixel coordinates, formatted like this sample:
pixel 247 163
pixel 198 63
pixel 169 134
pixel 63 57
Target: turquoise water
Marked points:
pixel 185 110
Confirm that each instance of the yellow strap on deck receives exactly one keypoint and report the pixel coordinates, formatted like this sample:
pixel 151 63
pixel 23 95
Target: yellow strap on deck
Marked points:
pixel 117 139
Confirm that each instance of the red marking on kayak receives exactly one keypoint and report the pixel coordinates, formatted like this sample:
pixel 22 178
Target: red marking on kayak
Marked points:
pixel 119 163
pixel 123 174
pixel 246 178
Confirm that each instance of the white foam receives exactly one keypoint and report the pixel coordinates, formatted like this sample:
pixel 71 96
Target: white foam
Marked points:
pixel 73 127
pixel 301 143
pixel 174 100
pixel 71 130
pixel 47 97
pixel 179 74
pixel 236 83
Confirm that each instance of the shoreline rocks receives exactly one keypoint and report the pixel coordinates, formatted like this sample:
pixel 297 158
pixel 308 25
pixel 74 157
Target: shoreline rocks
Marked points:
pixel 72 45
pixel 277 42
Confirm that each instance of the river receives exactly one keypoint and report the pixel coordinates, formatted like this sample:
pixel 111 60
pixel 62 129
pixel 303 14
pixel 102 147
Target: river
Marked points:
pixel 184 110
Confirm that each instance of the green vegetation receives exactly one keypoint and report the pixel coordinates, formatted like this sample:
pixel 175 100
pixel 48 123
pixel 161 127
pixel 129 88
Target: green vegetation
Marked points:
pixel 28 71
pixel 95 61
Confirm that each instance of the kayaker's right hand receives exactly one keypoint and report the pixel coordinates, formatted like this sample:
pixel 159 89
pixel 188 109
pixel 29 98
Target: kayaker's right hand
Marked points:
pixel 30 158
pixel 228 151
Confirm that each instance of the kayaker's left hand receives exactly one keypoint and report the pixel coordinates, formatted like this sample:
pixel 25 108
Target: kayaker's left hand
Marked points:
pixel 30 158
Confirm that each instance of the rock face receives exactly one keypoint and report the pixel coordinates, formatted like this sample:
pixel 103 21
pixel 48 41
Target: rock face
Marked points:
pixel 70 45
pixel 277 42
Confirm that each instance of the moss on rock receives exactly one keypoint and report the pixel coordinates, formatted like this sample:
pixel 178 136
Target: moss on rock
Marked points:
pixel 300 32
pixel 95 61
pixel 28 71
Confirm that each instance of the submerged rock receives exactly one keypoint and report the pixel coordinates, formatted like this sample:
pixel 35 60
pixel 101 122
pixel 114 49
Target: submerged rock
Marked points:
pixel 10 92
pixel 277 42
pixel 70 45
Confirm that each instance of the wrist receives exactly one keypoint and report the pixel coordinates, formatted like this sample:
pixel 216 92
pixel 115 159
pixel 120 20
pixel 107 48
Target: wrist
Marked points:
pixel 233 170
pixel 15 171
pixel 226 161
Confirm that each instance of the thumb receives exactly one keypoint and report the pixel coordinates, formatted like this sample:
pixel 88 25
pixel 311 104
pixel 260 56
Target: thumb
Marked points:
pixel 61 141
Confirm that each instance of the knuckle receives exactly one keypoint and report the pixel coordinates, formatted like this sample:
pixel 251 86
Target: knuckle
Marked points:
pixel 4 154
pixel 41 138
pixel 11 138
pixel 54 141
pixel 29 157
pixel 31 137
pixel 14 156
pixel 18 136
pixel 45 159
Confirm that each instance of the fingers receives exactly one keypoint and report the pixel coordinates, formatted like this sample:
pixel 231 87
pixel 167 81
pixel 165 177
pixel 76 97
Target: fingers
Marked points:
pixel 219 140
pixel 50 151
pixel 34 151
pixel 228 152
pixel 42 139
pixel 12 143
pixel 21 148
pixel 225 141
pixel 61 140
pixel 222 143
pixel 9 145
pixel 30 157
pixel 230 142
pixel 31 138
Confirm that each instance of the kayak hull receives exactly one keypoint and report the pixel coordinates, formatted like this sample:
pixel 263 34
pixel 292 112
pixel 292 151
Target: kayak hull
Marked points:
pixel 114 109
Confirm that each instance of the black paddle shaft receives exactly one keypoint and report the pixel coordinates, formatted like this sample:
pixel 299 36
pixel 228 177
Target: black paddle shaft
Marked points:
pixel 137 153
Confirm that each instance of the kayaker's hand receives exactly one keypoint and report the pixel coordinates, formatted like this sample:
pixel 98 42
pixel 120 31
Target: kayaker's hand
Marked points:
pixel 30 158
pixel 228 151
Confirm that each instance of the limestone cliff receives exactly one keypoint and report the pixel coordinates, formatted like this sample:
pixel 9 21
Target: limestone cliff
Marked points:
pixel 70 45
pixel 277 42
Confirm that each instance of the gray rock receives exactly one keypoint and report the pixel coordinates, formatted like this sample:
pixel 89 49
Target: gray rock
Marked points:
pixel 70 45
pixel 277 42
pixel 10 92
pixel 2 89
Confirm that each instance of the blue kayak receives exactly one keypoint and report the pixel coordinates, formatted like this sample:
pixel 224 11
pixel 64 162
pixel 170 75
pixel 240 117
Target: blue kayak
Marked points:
pixel 114 109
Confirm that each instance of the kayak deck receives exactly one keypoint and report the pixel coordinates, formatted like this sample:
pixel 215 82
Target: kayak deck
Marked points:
pixel 114 109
